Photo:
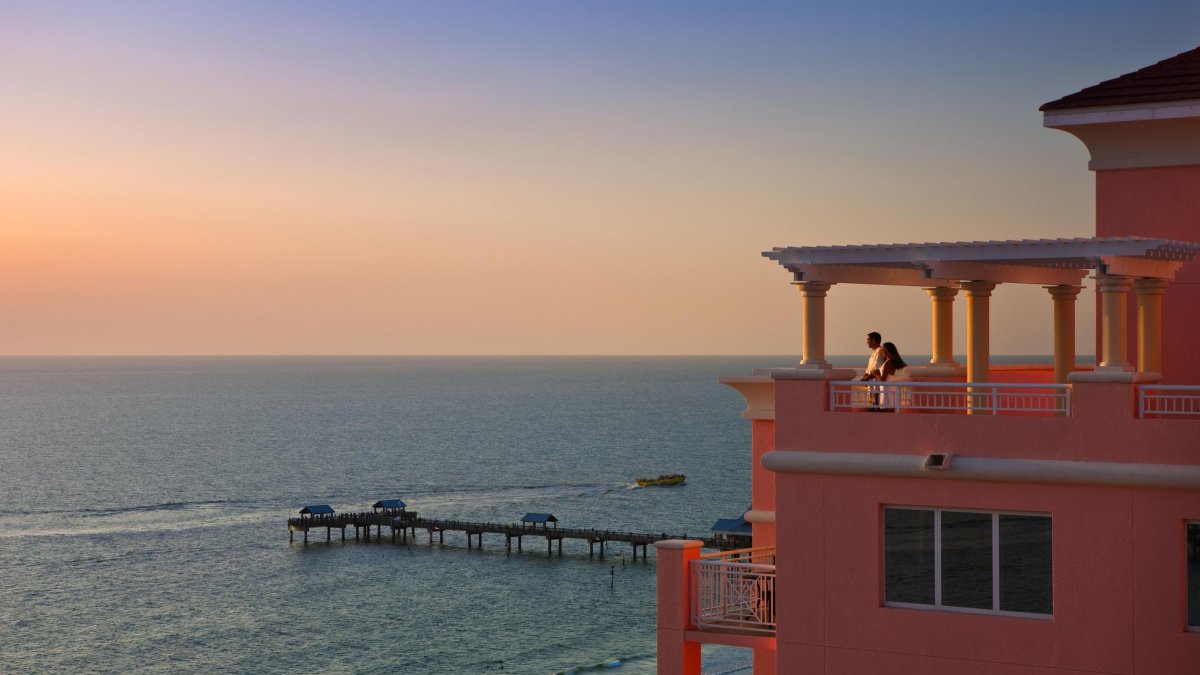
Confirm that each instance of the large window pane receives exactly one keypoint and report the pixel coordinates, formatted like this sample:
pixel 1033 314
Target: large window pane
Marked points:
pixel 1193 574
pixel 908 556
pixel 967 559
pixel 1026 569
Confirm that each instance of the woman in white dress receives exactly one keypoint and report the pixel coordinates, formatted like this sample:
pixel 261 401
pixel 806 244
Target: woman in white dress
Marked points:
pixel 893 369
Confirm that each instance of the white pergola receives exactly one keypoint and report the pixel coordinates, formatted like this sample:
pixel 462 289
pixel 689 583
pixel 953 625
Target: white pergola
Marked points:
pixel 1119 264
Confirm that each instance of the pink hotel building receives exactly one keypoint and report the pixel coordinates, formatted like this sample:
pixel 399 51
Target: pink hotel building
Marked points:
pixel 986 519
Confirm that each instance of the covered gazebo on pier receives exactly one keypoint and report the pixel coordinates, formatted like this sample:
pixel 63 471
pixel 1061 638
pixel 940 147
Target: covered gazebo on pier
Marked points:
pixel 534 519
pixel 389 506
pixel 316 510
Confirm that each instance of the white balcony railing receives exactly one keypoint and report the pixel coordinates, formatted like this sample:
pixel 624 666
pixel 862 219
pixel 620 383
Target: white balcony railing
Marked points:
pixel 1162 400
pixel 952 397
pixel 735 591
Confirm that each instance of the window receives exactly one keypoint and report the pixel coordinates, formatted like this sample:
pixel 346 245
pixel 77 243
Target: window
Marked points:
pixel 998 563
pixel 1193 575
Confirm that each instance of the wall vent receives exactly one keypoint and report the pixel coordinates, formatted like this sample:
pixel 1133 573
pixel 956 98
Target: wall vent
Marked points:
pixel 938 461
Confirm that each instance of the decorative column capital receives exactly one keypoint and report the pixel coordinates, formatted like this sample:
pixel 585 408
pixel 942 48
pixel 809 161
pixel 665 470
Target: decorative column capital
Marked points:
pixel 1150 286
pixel 979 289
pixel 813 289
pixel 1064 291
pixel 1109 283
pixel 941 293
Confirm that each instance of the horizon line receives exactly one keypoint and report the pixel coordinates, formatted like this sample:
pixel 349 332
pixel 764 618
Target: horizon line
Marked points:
pixel 473 355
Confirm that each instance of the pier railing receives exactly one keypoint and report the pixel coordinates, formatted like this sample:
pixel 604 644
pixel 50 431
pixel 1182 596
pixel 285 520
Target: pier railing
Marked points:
pixel 735 591
pixel 401 523
pixel 1163 401
pixel 361 519
pixel 951 398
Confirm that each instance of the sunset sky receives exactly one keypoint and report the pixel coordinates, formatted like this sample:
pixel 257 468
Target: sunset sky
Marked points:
pixel 585 177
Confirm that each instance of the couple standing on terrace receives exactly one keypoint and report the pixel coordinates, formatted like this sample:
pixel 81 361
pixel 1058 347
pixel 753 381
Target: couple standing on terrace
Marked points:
pixel 885 364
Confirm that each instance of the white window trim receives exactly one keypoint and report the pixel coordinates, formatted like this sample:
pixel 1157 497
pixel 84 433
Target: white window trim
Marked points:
pixel 937 566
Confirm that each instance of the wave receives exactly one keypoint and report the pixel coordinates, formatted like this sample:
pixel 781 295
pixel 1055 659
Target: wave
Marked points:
pixel 497 488
pixel 136 508
pixel 93 528
pixel 610 664
pixel 165 506
pixel 418 499
pixel 727 662
pixel 205 513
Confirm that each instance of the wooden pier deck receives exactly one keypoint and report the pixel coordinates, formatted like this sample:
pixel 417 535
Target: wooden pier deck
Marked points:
pixel 403 526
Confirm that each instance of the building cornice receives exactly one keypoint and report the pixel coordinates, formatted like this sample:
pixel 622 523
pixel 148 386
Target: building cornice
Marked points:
pixel 1137 112
pixel 1134 139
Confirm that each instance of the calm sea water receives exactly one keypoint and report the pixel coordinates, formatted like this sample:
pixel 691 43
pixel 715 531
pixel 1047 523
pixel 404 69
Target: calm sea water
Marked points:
pixel 143 506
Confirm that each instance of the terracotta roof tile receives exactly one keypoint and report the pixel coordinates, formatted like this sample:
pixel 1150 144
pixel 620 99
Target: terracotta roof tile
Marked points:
pixel 1173 79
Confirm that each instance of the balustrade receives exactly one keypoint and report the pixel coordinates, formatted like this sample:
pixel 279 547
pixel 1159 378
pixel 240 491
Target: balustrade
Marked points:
pixel 734 591
pixel 952 397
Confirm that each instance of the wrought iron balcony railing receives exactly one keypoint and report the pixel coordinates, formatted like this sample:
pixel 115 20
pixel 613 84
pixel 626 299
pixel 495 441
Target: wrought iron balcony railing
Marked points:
pixel 735 591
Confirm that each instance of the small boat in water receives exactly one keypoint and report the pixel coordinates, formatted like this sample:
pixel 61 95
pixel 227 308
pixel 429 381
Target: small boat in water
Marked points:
pixel 662 480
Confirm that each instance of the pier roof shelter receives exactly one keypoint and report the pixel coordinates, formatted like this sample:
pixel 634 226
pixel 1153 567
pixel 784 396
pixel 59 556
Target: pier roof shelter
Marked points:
pixel 1144 264
pixel 544 519
pixel 316 510
pixel 389 505
pixel 732 526
pixel 733 532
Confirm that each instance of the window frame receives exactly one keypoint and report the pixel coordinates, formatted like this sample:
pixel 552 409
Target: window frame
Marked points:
pixel 937 563
pixel 1187 581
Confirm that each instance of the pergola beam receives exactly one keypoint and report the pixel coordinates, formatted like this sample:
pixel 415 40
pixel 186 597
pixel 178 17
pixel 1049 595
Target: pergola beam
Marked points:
pixel 944 274
pixel 864 274
pixel 1080 252
pixel 1004 273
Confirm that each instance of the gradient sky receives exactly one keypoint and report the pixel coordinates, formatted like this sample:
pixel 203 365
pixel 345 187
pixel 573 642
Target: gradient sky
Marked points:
pixel 527 177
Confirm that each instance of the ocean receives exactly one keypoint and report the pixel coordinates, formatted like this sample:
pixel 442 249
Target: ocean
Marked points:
pixel 143 507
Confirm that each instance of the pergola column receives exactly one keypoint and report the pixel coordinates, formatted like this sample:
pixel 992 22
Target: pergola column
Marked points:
pixel 1064 329
pixel 1114 312
pixel 812 343
pixel 1149 323
pixel 942 299
pixel 978 327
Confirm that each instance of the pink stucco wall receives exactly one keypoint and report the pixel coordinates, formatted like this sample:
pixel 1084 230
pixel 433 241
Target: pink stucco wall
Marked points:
pixel 676 654
pixel 1102 427
pixel 762 482
pixel 1159 202
pixel 1118 568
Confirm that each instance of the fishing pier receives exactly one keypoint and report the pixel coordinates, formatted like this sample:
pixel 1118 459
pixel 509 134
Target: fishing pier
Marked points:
pixel 403 526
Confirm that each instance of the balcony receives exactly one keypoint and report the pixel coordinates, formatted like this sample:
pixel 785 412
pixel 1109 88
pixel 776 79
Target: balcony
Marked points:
pixel 734 591
pixel 1154 401
pixel 953 398
pixel 1168 402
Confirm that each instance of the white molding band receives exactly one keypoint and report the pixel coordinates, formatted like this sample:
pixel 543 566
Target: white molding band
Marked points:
pixel 1115 474
pixel 759 516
